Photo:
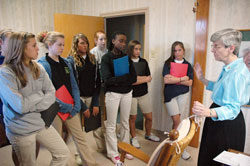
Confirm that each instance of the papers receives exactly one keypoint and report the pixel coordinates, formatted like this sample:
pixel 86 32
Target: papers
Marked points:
pixel 121 66
pixel 63 94
pixel 178 69
pixel 233 159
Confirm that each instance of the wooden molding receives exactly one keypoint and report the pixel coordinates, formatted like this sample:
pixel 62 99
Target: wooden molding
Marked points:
pixel 200 56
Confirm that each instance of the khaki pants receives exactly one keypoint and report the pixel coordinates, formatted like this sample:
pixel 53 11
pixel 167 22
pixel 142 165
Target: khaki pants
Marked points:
pixel 98 133
pixel 79 136
pixel 25 147
pixel 113 101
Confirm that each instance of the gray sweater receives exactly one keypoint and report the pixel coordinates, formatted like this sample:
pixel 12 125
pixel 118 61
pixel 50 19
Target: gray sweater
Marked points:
pixel 22 105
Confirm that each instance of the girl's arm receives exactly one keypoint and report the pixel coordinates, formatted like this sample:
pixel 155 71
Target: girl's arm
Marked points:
pixel 12 97
pixel 75 92
pixel 48 90
pixel 142 79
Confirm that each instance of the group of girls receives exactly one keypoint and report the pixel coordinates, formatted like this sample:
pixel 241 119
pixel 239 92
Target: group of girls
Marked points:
pixel 28 88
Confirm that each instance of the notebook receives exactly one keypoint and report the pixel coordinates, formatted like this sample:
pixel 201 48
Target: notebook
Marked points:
pixel 140 68
pixel 178 69
pixel 63 94
pixel 121 66
pixel 49 115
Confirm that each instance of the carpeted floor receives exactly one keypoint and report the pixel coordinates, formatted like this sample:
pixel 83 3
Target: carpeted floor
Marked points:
pixel 146 146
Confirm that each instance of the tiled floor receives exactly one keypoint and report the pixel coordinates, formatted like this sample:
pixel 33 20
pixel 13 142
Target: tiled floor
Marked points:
pixel 146 146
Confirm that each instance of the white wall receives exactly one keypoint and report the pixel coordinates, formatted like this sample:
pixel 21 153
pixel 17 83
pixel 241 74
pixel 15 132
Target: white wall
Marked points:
pixel 169 20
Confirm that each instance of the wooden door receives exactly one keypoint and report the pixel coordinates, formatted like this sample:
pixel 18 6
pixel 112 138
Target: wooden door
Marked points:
pixel 70 25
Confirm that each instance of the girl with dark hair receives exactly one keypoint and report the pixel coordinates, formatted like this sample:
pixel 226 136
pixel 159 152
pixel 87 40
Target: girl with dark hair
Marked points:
pixel 26 92
pixel 118 94
pixel 176 88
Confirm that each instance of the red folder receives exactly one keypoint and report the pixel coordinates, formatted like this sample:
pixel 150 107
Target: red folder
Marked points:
pixel 178 69
pixel 63 94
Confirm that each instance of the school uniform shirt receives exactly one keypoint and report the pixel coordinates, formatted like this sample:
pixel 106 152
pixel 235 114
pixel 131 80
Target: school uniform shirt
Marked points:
pixel 141 89
pixel 74 90
pixel 98 54
pixel 118 84
pixel 173 90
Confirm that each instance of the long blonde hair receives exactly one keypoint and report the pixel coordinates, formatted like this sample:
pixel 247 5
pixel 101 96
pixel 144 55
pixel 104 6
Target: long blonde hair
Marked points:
pixel 15 56
pixel 74 50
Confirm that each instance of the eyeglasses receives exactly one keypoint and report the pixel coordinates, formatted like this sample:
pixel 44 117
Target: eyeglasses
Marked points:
pixel 215 46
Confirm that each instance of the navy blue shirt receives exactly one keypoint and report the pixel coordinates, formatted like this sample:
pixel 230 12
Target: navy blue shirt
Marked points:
pixel 173 90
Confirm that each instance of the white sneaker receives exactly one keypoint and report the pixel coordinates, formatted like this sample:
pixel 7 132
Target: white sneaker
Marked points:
pixel 78 159
pixel 152 138
pixel 134 142
pixel 129 156
pixel 185 155
pixel 116 161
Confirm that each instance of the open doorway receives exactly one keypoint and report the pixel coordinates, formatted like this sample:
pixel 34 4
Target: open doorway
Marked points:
pixel 134 28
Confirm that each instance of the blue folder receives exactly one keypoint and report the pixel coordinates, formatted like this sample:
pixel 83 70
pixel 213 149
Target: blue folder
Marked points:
pixel 121 66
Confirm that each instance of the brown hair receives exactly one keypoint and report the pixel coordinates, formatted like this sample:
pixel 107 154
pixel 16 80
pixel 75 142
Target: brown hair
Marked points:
pixel 74 50
pixel 131 46
pixel 46 37
pixel 172 57
pixel 15 55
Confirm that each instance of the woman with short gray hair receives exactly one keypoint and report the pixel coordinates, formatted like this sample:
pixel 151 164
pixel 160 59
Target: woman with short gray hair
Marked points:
pixel 224 126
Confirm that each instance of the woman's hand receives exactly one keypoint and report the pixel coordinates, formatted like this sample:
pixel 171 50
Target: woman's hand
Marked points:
pixel 86 113
pixel 95 111
pixel 198 71
pixel 200 110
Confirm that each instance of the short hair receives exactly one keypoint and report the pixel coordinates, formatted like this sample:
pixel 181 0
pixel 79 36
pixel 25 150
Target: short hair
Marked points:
pixel 229 37
pixel 114 35
pixel 46 37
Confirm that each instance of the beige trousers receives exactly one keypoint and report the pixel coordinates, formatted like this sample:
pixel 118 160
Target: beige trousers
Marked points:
pixel 113 101
pixel 79 136
pixel 25 147
pixel 98 133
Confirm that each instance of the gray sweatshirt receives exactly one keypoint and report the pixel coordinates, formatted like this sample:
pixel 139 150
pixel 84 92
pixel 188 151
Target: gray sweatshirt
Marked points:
pixel 22 105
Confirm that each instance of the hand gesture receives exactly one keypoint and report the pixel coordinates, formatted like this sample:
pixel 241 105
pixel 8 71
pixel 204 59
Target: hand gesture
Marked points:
pixel 200 110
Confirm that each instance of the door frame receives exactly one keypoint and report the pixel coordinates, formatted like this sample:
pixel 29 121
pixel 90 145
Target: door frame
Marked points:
pixel 132 12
